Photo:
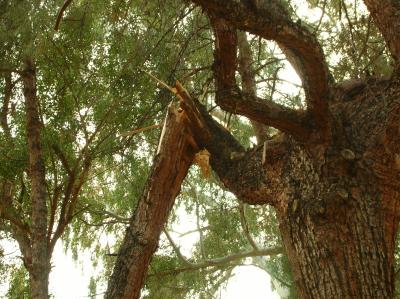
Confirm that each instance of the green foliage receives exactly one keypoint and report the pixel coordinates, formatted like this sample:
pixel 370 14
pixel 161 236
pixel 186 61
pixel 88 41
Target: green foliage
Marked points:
pixel 19 284
pixel 92 88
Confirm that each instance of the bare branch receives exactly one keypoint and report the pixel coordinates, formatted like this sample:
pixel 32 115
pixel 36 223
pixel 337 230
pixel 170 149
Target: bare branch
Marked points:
pixel 247 74
pixel 245 227
pixel 176 248
pixel 222 261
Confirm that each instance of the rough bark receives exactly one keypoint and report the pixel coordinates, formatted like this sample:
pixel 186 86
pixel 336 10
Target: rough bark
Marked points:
pixel 333 176
pixel 40 261
pixel 336 198
pixel 174 157
pixel 386 15
pixel 337 205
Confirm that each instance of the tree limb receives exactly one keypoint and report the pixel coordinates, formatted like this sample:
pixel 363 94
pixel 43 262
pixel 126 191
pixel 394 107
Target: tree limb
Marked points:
pixel 222 261
pixel 273 22
pixel 247 74
pixel 176 249
pixel 61 13
pixel 174 157
pixel 6 103
pixel 245 102
pixel 239 170
pixel 386 16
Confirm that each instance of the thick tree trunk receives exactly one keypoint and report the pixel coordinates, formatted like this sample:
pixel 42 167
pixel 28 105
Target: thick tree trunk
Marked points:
pixel 174 157
pixel 333 175
pixel 39 267
pixel 337 204
pixel 334 230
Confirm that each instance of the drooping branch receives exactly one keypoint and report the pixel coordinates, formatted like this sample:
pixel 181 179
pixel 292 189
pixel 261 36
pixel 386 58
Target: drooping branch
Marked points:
pixel 272 21
pixel 174 157
pixel 386 16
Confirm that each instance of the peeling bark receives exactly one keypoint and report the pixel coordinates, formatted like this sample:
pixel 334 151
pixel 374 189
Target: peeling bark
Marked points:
pixel 174 157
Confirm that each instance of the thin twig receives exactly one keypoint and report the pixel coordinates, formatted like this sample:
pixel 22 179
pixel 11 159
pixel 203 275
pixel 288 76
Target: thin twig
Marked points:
pixel 140 130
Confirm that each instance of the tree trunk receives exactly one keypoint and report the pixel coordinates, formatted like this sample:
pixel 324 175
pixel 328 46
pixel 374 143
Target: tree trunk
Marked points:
pixel 332 175
pixel 337 204
pixel 39 267
pixel 334 230
pixel 174 157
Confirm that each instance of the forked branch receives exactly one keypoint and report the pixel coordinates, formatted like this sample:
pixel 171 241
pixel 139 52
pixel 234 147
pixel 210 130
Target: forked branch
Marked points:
pixel 232 99
pixel 271 21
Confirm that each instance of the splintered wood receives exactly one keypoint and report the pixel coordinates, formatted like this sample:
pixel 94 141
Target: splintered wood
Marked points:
pixel 202 159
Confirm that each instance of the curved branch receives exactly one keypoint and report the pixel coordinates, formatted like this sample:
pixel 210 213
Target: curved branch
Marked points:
pixel 61 13
pixel 246 103
pixel 386 16
pixel 273 22
pixel 247 74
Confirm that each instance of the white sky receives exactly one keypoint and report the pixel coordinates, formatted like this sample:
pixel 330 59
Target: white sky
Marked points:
pixel 69 280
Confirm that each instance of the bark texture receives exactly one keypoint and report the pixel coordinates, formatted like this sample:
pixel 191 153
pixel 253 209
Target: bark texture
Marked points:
pixel 174 157
pixel 39 266
pixel 386 16
pixel 333 174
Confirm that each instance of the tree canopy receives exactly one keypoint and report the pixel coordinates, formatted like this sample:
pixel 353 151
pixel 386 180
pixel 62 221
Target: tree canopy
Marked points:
pixel 100 112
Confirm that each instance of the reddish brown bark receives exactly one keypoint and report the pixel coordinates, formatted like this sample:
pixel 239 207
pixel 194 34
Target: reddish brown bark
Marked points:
pixel 39 268
pixel 333 176
pixel 270 20
pixel 174 157
pixel 386 17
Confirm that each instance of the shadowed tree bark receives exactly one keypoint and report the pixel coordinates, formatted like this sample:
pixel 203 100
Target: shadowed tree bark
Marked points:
pixel 333 175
